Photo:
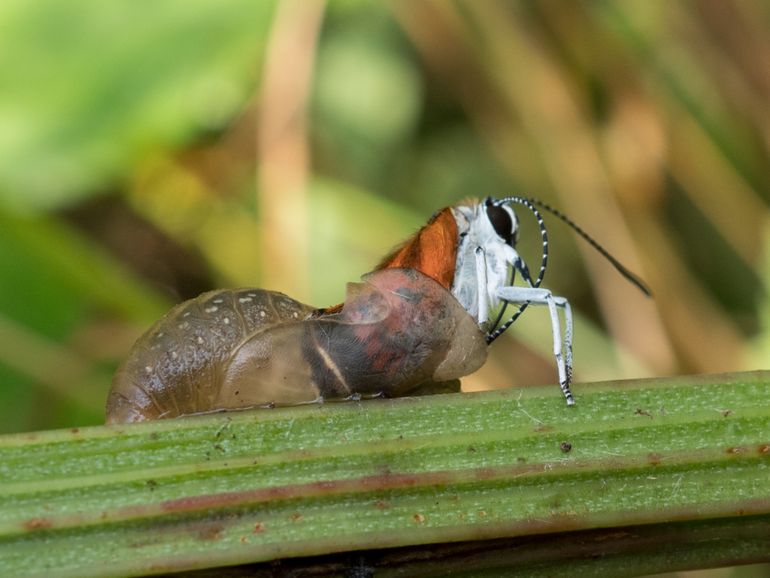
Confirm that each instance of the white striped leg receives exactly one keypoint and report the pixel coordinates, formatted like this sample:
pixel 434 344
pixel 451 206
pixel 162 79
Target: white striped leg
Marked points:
pixel 562 350
pixel 564 304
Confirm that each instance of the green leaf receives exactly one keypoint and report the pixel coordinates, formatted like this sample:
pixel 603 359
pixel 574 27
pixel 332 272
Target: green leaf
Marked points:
pixel 88 88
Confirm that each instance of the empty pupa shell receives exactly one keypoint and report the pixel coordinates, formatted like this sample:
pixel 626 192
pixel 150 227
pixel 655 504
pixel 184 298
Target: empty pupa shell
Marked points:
pixel 398 332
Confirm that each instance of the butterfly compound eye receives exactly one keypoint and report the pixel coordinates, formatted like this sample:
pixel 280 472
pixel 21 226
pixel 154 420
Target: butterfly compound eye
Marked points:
pixel 501 222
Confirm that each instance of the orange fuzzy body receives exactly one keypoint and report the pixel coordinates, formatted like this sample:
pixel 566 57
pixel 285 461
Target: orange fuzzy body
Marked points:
pixel 432 250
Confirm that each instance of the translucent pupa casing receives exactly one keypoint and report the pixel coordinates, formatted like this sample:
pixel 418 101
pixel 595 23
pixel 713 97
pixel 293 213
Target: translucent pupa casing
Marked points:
pixel 398 332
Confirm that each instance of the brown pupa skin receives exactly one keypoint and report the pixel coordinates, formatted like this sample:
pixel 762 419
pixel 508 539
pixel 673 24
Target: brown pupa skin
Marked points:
pixel 398 332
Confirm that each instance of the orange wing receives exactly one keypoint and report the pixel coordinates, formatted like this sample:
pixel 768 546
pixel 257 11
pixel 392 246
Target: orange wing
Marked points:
pixel 432 250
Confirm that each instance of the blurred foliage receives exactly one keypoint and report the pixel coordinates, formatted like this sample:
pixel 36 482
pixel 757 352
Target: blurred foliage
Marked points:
pixel 150 151
pixel 89 89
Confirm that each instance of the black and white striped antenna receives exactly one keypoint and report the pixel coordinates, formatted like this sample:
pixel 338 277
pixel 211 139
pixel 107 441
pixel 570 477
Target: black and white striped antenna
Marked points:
pixel 532 205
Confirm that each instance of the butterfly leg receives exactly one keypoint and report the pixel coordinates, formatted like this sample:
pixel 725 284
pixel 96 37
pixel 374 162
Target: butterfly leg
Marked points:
pixel 562 349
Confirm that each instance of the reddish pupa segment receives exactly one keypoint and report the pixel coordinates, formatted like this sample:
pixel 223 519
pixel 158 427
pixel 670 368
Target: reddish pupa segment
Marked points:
pixel 416 324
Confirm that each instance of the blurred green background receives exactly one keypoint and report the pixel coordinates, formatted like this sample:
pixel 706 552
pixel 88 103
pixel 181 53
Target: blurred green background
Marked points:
pixel 153 150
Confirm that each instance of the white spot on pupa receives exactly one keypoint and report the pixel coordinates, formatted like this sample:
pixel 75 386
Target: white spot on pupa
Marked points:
pixel 148 369
pixel 252 294
pixel 199 339
pixel 245 299
pixel 211 309
pixel 174 355
pixel 186 314
pixel 184 325
pixel 220 301
pixel 262 314
pixel 295 315
pixel 226 320
pixel 159 335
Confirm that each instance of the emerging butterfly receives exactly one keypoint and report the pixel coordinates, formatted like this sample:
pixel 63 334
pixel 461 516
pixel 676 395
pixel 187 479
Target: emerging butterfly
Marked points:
pixel 420 321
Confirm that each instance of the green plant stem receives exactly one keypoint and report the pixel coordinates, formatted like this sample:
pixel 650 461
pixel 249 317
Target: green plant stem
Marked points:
pixel 252 486
pixel 606 552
